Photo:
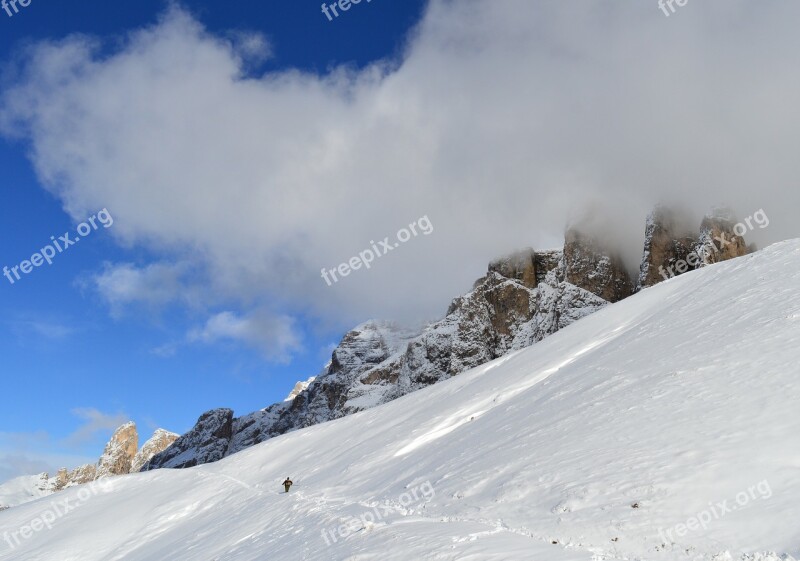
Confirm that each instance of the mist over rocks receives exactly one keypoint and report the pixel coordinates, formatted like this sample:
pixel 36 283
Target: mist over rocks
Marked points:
pixel 671 244
pixel 524 297
pixel 592 266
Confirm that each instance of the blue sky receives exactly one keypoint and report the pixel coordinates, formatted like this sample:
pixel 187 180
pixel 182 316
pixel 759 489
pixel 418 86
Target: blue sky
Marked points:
pixel 242 148
pixel 73 367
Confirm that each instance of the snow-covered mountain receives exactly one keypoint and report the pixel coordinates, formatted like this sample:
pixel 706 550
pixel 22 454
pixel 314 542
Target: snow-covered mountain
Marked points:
pixel 121 455
pixel 512 307
pixel 523 298
pixel 663 427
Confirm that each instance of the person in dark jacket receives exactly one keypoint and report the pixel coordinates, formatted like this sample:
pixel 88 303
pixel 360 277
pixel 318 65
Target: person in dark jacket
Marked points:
pixel 287 484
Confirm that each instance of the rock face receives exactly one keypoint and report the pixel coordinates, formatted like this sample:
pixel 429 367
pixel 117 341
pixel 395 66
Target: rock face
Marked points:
pixel 520 266
pixel 78 476
pixel 160 441
pixel 499 315
pixel 717 241
pixel 208 440
pixel 667 239
pixel 591 266
pixel 672 248
pixel 118 455
pixel 299 387
pixel 527 266
pixel 523 298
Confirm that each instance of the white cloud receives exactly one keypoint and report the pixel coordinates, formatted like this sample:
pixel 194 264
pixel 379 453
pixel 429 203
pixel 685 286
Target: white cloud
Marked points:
pixel 34 453
pixel 95 421
pixel 122 285
pixel 26 327
pixel 502 119
pixel 165 350
pixel 251 46
pixel 15 465
pixel 275 336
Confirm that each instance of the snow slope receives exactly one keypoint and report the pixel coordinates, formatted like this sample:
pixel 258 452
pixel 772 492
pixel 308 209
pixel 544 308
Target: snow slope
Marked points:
pixel 601 438
pixel 23 489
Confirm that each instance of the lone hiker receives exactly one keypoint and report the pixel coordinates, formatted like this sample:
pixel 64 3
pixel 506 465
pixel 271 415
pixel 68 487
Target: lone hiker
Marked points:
pixel 287 484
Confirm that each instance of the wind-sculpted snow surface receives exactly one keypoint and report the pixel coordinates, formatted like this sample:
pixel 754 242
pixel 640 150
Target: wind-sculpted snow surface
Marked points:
pixel 608 440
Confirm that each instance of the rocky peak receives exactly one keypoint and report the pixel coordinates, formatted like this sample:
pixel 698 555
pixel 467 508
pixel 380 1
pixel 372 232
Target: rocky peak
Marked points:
pixel 367 345
pixel 298 388
pixel 208 440
pixel 519 266
pixel 717 240
pixel 672 247
pixel 160 441
pixel 120 451
pixel 668 238
pixel 527 266
pixel 588 264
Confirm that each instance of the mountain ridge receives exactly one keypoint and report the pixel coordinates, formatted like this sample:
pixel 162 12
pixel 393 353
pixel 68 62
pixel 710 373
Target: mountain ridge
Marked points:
pixel 523 298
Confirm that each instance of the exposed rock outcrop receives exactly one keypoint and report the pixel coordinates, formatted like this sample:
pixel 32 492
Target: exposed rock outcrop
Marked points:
pixel 672 247
pixel 78 476
pixel 717 241
pixel 519 266
pixel 118 455
pixel 160 441
pixel 298 388
pixel 595 268
pixel 206 442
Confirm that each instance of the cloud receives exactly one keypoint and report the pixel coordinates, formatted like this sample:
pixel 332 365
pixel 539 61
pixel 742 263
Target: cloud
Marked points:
pixel 165 350
pixel 32 454
pixel 275 337
pixel 501 121
pixel 253 47
pixel 125 285
pixel 40 332
pixel 95 422
pixel 25 327
pixel 15 465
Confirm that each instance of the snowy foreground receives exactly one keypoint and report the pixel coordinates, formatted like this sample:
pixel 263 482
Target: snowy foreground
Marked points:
pixel 664 427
